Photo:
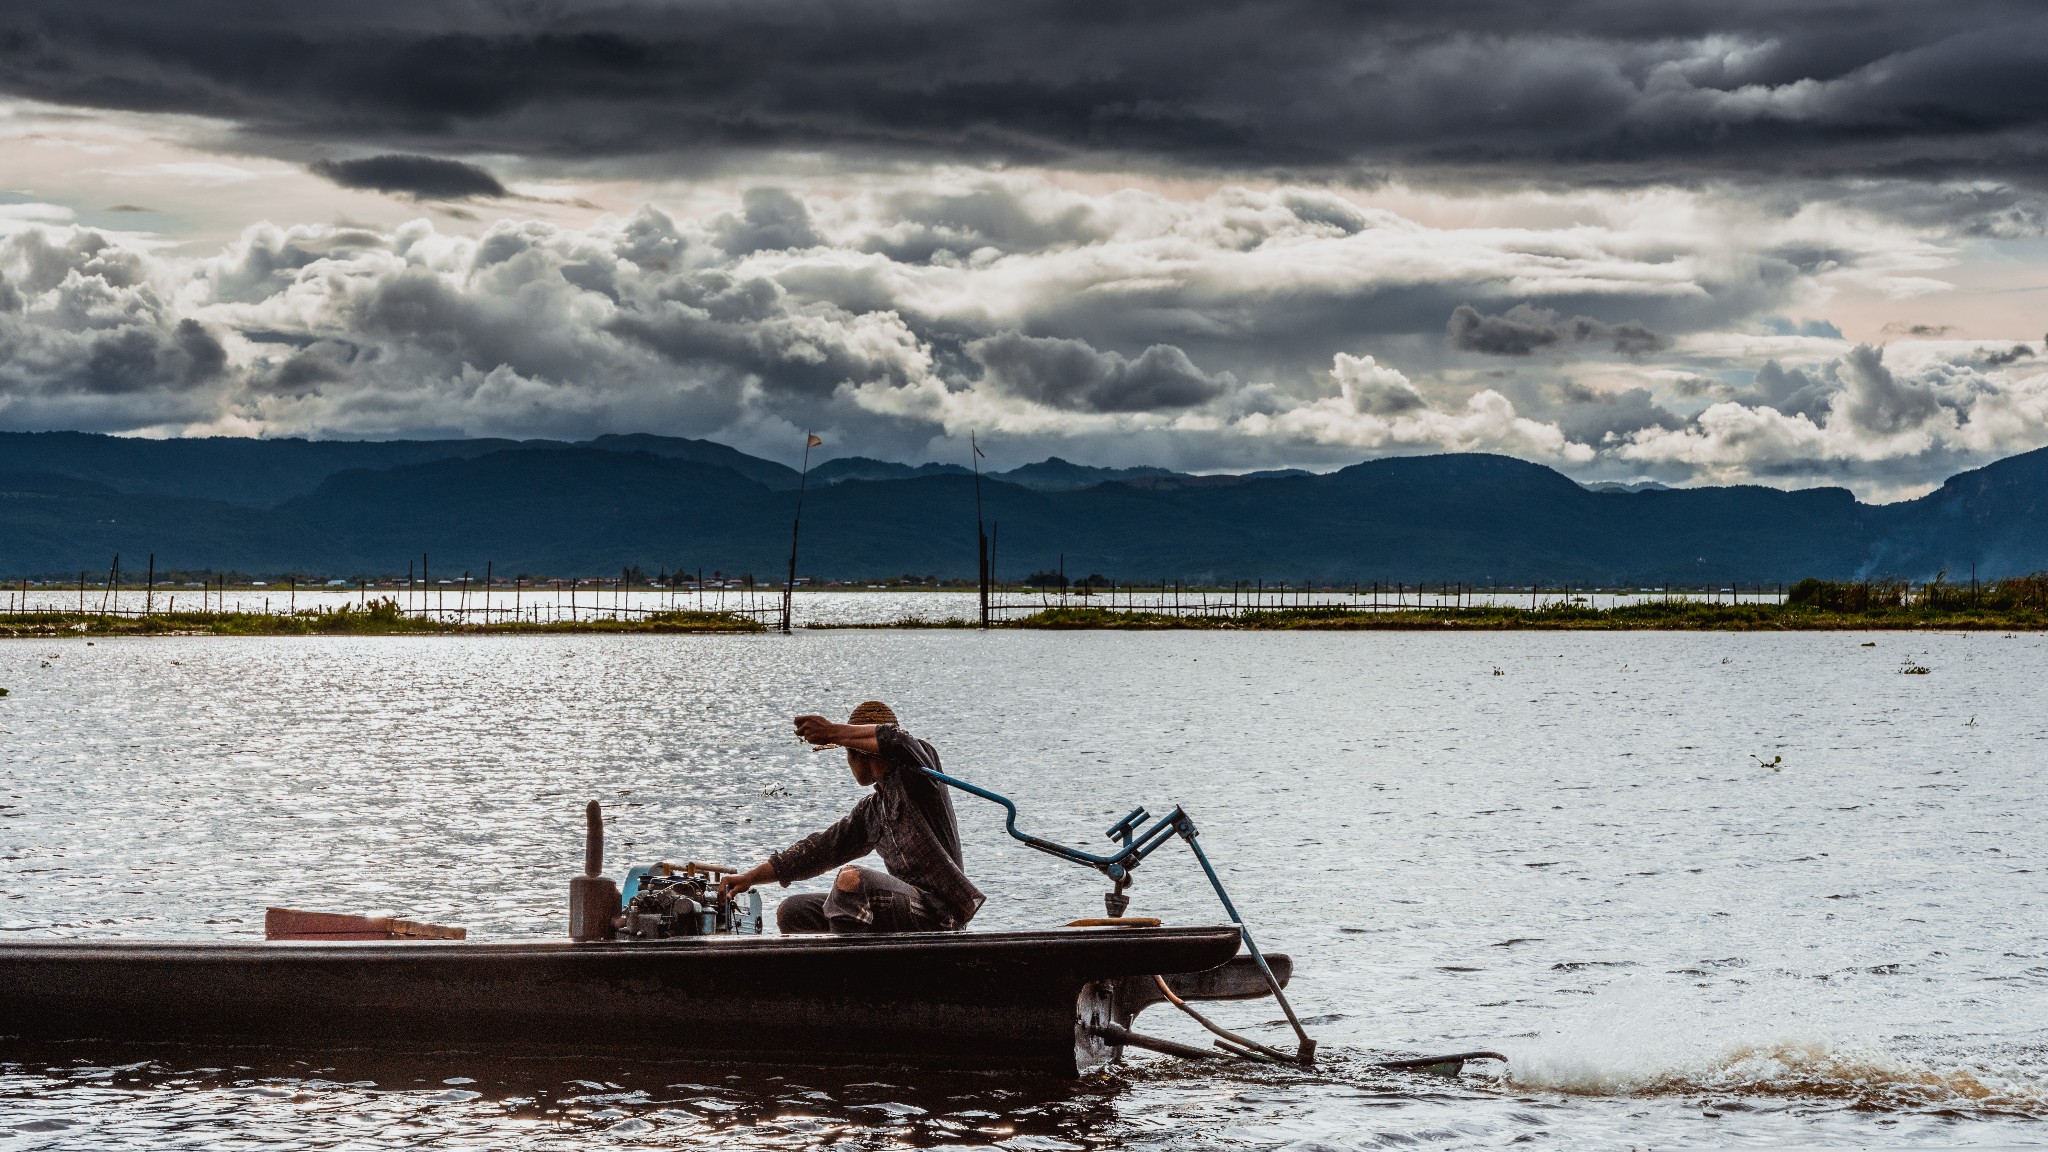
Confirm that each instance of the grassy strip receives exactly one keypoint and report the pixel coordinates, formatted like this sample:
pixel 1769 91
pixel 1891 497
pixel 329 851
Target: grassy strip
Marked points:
pixel 1648 616
pixel 899 622
pixel 381 618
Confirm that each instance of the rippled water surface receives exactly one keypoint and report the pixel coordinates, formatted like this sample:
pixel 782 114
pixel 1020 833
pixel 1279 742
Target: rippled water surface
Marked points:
pixel 1571 848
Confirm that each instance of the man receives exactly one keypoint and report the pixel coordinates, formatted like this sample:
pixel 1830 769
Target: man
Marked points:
pixel 907 819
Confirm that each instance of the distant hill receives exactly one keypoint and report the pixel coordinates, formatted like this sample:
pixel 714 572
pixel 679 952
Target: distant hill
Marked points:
pixel 861 468
pixel 1053 474
pixel 1994 517
pixel 238 470
pixel 766 472
pixel 260 473
pixel 71 501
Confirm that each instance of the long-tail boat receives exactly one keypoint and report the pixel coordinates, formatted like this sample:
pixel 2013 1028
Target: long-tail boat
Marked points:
pixel 975 1000
pixel 665 964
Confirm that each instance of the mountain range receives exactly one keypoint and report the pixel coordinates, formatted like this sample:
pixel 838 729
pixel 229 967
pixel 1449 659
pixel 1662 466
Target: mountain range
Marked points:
pixel 71 501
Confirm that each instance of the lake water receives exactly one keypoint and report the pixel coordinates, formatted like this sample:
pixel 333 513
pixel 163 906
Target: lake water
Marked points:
pixel 1568 847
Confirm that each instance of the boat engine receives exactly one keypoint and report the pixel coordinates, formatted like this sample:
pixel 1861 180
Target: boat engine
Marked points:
pixel 664 900
pixel 659 901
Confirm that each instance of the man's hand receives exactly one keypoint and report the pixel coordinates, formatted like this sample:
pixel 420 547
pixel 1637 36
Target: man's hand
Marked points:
pixel 817 730
pixel 733 883
pixel 823 733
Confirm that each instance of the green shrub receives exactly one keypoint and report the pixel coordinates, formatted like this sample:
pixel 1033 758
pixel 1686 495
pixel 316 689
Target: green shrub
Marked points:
pixel 1848 596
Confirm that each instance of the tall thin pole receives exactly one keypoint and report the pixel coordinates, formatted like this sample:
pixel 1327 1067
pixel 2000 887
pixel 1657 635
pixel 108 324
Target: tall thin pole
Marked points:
pixel 149 597
pixel 980 534
pixel 796 526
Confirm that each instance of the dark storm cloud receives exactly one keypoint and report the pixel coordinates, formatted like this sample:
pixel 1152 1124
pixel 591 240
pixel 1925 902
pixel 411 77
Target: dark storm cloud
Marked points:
pixel 304 374
pixel 747 325
pixel 769 220
pixel 1599 88
pixel 1878 401
pixel 1793 392
pixel 923 224
pixel 1387 397
pixel 1590 416
pixel 1975 209
pixel 1858 389
pixel 1523 330
pixel 2011 355
pixel 423 177
pixel 1071 374
pixel 1271 325
pixel 86 338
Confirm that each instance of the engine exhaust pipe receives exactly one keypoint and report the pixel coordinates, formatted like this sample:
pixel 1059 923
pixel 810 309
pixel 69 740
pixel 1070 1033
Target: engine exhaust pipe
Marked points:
pixel 593 897
pixel 593 839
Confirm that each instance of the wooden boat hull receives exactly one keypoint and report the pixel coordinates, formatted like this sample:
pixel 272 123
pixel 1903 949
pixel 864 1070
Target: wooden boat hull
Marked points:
pixel 972 1000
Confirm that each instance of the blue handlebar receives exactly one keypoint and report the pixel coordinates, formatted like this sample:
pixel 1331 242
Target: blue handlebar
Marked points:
pixel 1137 846
pixel 1117 866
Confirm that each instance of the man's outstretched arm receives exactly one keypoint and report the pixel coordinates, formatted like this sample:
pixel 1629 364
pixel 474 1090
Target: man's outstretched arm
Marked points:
pixel 814 855
pixel 762 873
pixel 824 733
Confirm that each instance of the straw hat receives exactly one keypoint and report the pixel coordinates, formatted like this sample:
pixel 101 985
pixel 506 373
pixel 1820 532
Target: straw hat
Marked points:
pixel 872 712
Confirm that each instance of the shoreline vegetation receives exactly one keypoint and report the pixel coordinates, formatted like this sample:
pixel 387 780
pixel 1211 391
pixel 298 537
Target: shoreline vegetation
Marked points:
pixel 1650 617
pixel 2015 604
pixel 378 618
pixel 2018 604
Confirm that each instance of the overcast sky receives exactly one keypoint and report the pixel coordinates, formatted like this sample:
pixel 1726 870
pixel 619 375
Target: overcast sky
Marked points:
pixel 1790 242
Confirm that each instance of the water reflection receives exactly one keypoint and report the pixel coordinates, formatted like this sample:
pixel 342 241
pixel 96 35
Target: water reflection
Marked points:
pixel 174 1096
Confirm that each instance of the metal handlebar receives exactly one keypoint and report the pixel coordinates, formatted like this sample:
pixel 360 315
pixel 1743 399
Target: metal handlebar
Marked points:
pixel 1116 866
pixel 1136 846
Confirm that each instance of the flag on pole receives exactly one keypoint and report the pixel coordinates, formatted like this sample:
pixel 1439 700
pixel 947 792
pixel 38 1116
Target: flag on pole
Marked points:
pixel 813 442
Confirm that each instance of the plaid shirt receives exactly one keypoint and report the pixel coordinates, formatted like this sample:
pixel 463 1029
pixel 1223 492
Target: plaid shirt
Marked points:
pixel 908 820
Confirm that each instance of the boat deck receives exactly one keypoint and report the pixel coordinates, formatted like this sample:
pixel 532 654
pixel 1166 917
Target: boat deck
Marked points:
pixel 950 999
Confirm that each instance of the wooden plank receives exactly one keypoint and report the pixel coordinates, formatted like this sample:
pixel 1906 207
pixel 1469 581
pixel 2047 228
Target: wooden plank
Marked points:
pixel 420 930
pixel 297 924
